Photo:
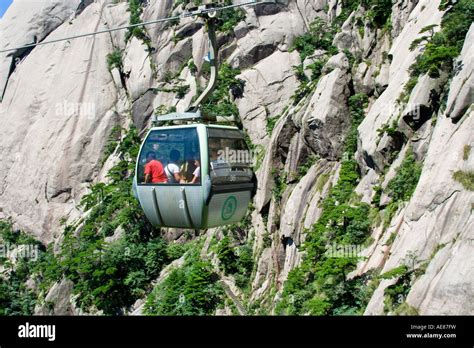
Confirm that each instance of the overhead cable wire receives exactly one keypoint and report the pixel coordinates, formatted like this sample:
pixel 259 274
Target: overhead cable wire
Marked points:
pixel 161 20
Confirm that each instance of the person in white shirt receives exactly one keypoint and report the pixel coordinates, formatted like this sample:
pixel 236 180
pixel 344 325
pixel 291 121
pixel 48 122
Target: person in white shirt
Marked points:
pixel 197 172
pixel 172 168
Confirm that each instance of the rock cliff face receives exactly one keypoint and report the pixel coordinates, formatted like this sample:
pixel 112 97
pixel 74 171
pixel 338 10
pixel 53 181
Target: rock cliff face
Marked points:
pixel 53 144
pixel 60 103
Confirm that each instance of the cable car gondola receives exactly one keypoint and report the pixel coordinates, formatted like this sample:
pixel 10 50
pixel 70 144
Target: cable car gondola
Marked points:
pixel 223 190
pixel 215 182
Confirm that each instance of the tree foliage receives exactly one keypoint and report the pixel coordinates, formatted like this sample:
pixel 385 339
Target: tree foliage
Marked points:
pixel 319 36
pixel 444 46
pixel 189 290
pixel 402 186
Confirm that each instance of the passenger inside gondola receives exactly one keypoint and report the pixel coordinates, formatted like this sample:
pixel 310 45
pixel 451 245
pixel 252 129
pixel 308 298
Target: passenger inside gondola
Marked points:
pixel 154 172
pixel 188 168
pixel 197 172
pixel 173 173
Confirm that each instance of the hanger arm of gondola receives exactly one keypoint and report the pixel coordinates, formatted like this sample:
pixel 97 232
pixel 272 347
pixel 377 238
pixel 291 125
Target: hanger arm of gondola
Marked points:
pixel 214 66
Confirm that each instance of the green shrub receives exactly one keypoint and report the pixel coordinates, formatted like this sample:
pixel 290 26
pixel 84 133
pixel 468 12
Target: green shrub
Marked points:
pixel 181 91
pixel 112 142
pixel 306 166
pixel 350 57
pixel 402 186
pixel 235 261
pixel 303 90
pixel 176 250
pixel 192 67
pixel 405 309
pixel 409 86
pixel 245 263
pixel 396 294
pixel 391 239
pixel 390 129
pixel 112 277
pixel 319 36
pixel 322 181
pixel 295 292
pixel 229 18
pixel 466 152
pixel 226 256
pixel 445 45
pixel 14 237
pixel 114 59
pixel 378 194
pixel 280 184
pixel 424 39
pixel 190 290
pixel 299 73
pixel 466 179
pixel 389 212
pixel 245 266
pixel 271 122
pixel 379 11
pixel 395 272
pixel 267 241
pixel 306 87
pixel 357 224
pixel 15 297
pixel 48 268
pixel 317 69
pixel 439 58
pixel 318 306
pixel 163 110
pixel 136 10
pixel 357 105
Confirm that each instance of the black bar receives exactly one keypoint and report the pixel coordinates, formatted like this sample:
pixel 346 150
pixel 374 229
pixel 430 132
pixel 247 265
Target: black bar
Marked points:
pixel 244 331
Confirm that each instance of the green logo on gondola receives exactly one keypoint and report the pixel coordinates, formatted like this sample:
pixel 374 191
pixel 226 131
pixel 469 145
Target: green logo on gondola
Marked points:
pixel 229 208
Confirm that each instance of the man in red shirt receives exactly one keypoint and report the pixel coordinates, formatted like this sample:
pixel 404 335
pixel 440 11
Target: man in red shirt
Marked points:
pixel 154 172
